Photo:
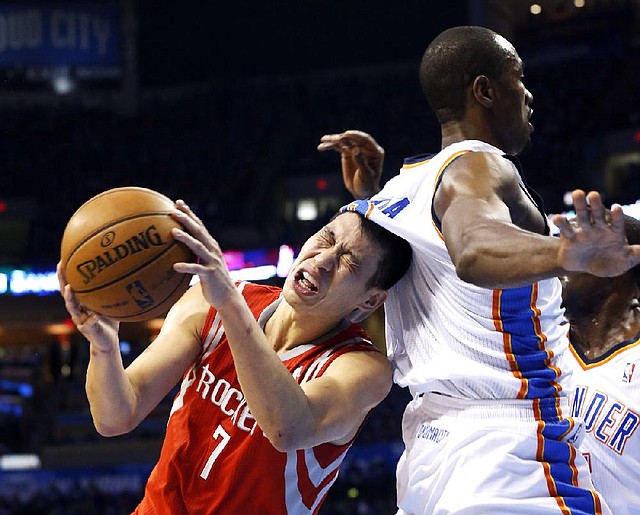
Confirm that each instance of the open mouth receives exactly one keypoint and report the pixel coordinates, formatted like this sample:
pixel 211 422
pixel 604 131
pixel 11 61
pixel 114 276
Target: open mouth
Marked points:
pixel 307 282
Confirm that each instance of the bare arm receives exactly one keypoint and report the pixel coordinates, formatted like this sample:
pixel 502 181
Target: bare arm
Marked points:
pixel 361 158
pixel 327 409
pixel 120 399
pixel 476 203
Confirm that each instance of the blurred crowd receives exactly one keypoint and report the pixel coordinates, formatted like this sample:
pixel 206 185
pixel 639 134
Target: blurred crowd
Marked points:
pixel 228 148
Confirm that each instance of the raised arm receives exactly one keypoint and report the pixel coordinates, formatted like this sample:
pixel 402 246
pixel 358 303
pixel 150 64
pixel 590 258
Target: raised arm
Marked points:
pixel 489 229
pixel 120 399
pixel 361 159
pixel 326 409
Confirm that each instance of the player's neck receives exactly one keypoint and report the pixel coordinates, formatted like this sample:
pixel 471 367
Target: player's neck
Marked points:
pixel 287 329
pixel 600 334
pixel 456 131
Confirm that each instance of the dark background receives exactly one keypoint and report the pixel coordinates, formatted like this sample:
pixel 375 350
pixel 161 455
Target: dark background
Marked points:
pixel 199 40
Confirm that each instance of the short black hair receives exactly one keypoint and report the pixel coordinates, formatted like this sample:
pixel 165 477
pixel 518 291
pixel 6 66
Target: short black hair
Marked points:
pixel 452 62
pixel 396 254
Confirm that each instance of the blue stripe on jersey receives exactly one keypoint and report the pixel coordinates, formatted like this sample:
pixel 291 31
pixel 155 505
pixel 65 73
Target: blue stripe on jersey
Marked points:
pixel 559 457
pixel 520 321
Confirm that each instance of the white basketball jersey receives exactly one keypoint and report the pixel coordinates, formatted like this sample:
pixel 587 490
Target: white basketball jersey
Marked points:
pixel 445 335
pixel 607 397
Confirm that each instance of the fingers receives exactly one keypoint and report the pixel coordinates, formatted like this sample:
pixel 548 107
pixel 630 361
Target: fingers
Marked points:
pixel 195 236
pixel 596 208
pixel 564 226
pixel 79 314
pixel 61 278
pixel 634 254
pixel 350 142
pixel 183 208
pixel 339 143
pixel 590 212
pixel 190 221
pixel 590 209
pixel 196 243
pixel 581 207
pixel 617 219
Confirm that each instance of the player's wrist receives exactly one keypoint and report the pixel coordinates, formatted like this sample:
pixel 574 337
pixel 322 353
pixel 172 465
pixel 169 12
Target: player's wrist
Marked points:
pixel 100 348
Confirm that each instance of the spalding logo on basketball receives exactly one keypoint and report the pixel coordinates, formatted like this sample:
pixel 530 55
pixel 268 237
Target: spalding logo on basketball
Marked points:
pixel 117 254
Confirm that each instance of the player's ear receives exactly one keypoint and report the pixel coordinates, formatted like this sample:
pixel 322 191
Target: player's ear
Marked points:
pixel 368 306
pixel 482 90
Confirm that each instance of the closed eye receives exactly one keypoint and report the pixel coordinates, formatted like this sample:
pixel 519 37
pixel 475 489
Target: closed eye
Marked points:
pixel 351 262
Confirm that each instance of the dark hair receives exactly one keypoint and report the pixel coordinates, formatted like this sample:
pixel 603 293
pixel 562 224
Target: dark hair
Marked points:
pixel 452 62
pixel 396 254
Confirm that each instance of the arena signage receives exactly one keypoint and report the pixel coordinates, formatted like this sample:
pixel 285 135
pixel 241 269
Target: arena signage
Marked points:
pixel 59 35
pixel 248 265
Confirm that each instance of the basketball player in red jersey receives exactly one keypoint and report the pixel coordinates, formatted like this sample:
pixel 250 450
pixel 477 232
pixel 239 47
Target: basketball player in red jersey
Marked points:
pixel 276 383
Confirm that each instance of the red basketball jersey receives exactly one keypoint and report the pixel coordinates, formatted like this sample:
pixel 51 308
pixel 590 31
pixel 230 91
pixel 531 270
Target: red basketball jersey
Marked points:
pixel 215 458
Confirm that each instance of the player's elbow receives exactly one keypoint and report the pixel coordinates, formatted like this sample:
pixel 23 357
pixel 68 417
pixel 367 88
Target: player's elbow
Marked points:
pixel 285 440
pixel 110 428
pixel 467 263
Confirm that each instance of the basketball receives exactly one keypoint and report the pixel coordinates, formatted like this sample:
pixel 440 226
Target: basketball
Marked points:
pixel 117 253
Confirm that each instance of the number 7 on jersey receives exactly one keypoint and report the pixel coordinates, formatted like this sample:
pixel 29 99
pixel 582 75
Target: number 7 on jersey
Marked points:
pixel 218 433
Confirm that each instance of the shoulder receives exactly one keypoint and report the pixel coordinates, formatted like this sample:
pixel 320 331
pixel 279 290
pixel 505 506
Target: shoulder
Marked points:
pixel 366 374
pixel 486 164
pixel 357 353
pixel 478 175
pixel 189 312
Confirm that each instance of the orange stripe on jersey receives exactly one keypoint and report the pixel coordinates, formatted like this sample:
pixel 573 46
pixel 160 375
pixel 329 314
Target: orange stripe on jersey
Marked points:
pixel 542 338
pixel 588 366
pixel 437 179
pixel 570 420
pixel 435 226
pixel 406 166
pixel 597 502
pixel 369 210
pixel 506 340
pixel 540 456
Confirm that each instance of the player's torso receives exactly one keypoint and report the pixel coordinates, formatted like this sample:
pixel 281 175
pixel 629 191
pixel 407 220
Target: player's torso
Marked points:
pixel 446 335
pixel 215 458
pixel 607 398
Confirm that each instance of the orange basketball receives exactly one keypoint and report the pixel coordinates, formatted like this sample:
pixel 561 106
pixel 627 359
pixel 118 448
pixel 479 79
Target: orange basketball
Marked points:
pixel 117 254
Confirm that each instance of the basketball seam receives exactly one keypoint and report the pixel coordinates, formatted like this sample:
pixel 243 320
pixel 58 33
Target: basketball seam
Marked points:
pixel 111 224
pixel 124 188
pixel 131 272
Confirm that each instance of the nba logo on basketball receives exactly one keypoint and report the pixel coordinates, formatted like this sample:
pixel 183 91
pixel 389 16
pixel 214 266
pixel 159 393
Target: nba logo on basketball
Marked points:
pixel 139 294
pixel 628 372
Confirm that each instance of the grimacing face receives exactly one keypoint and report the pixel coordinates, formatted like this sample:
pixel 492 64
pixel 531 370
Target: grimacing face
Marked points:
pixel 330 275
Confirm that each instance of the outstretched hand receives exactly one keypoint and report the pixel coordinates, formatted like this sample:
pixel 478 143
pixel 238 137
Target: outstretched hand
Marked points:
pixel 101 331
pixel 362 160
pixel 594 240
pixel 217 284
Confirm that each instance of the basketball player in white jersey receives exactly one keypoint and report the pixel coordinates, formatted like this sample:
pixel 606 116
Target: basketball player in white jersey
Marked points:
pixel 604 314
pixel 475 329
pixel 276 382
